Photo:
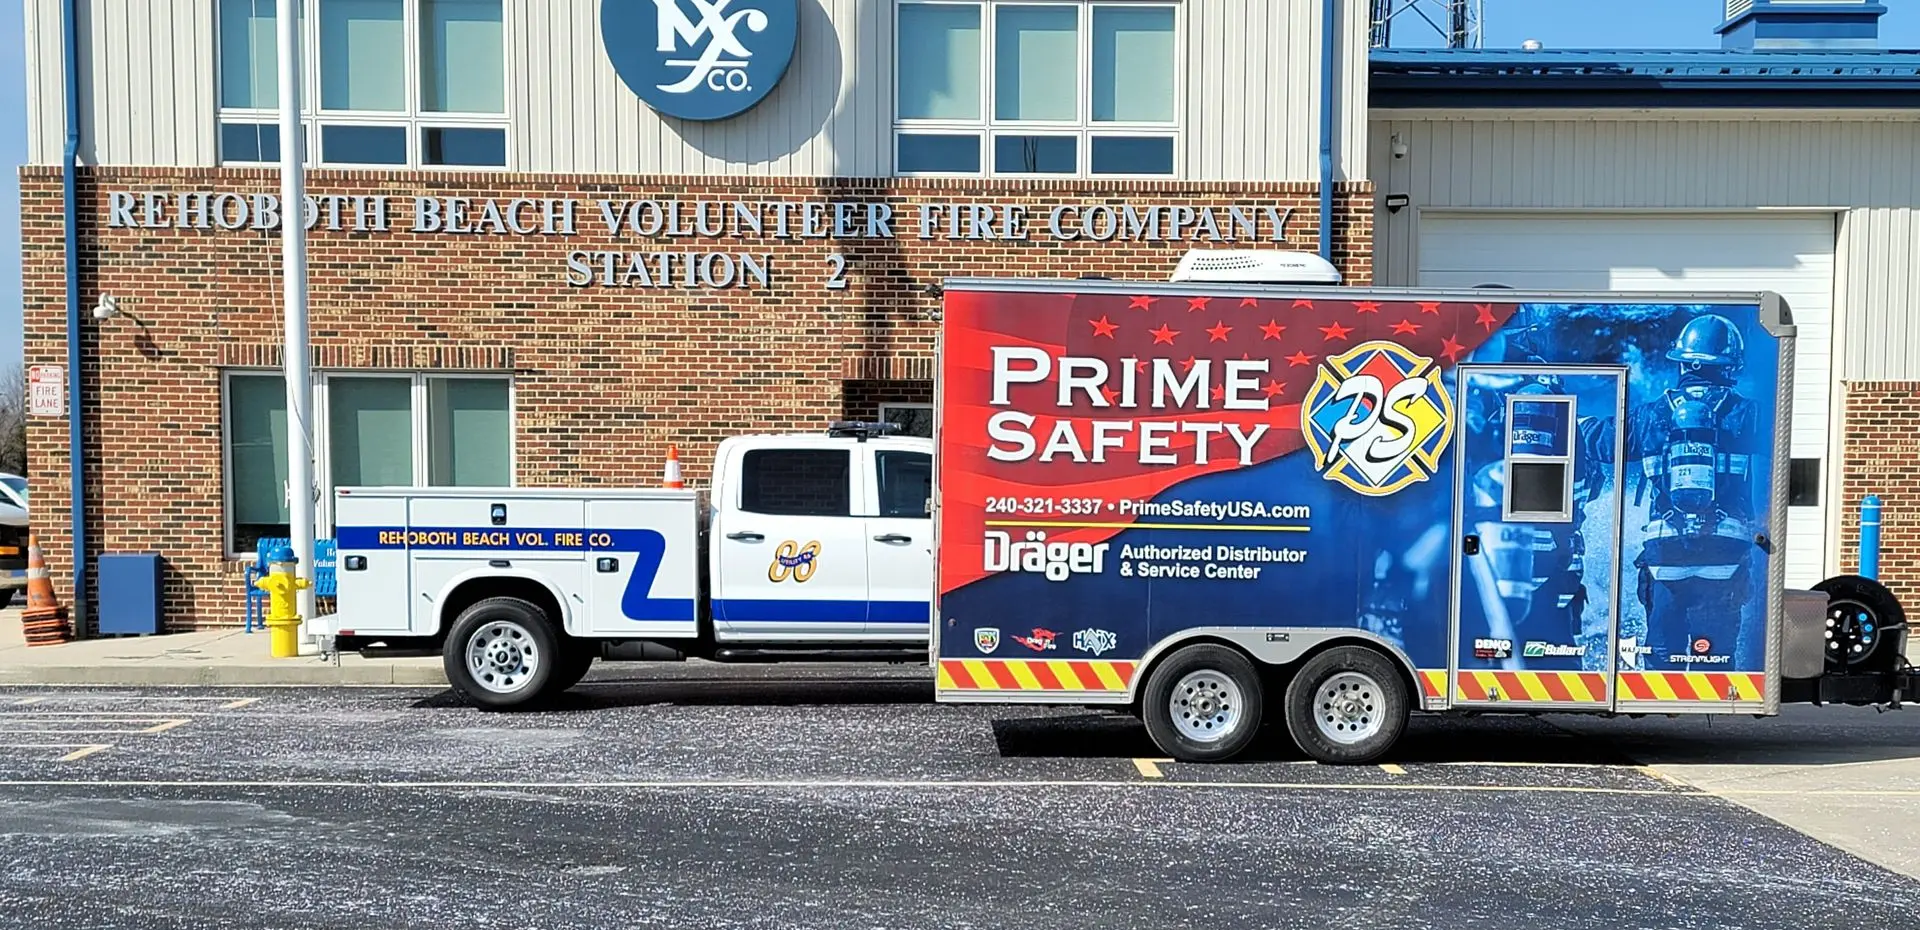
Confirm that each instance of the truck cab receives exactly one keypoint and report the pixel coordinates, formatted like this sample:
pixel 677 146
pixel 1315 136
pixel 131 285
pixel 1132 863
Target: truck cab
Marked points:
pixel 806 546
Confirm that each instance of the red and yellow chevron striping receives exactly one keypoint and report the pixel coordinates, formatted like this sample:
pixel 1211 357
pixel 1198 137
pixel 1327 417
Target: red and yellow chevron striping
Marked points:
pixel 1692 686
pixel 1541 687
pixel 1433 682
pixel 1034 675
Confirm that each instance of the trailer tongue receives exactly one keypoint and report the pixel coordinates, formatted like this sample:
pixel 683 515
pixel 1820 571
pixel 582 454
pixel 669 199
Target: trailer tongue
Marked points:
pixel 1216 504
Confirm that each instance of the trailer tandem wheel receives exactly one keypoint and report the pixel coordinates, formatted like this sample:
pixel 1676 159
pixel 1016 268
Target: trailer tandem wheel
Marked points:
pixel 1203 703
pixel 1347 705
pixel 502 653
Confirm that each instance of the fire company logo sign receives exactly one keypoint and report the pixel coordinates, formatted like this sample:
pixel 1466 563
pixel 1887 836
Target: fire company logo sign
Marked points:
pixel 1377 418
pixel 986 639
pixel 700 59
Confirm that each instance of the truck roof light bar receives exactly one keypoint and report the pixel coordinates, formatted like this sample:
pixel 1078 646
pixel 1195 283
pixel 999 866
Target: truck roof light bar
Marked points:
pixel 861 430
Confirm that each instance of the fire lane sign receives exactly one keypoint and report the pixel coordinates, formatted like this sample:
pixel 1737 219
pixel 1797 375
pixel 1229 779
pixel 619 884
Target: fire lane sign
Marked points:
pixel 47 391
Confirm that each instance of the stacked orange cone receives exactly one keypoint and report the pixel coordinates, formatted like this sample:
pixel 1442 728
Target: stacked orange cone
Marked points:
pixel 45 620
pixel 672 477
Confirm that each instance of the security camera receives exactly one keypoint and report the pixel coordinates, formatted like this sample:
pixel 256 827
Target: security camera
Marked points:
pixel 107 308
pixel 1399 147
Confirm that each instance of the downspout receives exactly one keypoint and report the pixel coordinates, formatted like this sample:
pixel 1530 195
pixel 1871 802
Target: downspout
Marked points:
pixel 76 448
pixel 1329 39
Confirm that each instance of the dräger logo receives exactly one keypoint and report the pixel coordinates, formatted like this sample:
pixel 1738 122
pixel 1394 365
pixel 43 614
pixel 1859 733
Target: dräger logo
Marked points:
pixel 1056 560
pixel 700 59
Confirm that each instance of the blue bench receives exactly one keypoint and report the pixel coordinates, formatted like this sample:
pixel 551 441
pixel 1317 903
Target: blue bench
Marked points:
pixel 323 581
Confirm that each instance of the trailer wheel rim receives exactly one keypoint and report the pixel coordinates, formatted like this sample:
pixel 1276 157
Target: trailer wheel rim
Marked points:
pixel 1853 632
pixel 1206 706
pixel 1349 708
pixel 502 657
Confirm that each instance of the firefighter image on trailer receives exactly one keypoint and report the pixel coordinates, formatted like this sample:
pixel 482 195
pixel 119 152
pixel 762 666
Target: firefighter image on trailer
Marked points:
pixel 1695 574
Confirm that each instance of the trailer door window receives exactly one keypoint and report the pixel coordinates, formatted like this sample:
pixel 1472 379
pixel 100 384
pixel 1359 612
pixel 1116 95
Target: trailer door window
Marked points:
pixel 1539 460
pixel 797 482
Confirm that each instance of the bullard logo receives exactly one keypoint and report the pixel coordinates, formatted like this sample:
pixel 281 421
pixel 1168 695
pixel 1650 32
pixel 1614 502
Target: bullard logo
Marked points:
pixel 700 59
pixel 1377 418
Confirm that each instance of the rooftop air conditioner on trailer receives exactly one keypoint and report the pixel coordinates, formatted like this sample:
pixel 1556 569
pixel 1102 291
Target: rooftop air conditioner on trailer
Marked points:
pixel 1255 266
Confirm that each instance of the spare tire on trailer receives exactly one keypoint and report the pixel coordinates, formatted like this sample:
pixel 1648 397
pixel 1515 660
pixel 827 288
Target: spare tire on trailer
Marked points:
pixel 1864 621
pixel 1347 705
pixel 502 653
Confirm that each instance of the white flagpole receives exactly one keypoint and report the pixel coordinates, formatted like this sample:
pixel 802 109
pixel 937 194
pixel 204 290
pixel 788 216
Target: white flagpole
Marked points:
pixel 293 258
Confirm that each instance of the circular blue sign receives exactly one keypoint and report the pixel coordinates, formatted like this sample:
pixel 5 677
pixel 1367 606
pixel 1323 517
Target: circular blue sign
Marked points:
pixel 700 59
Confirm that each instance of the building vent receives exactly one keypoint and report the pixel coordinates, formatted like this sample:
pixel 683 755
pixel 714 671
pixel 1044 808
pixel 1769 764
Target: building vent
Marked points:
pixel 1255 266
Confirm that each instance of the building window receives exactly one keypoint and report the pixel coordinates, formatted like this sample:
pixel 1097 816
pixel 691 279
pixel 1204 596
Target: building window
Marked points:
pixel 386 429
pixel 1080 88
pixel 395 83
pixel 913 419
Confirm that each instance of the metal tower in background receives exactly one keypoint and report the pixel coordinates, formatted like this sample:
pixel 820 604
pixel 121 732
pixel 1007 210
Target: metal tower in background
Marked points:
pixel 1456 22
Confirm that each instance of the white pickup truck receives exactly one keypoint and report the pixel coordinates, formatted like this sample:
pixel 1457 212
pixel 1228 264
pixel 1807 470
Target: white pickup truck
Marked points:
pixel 806 547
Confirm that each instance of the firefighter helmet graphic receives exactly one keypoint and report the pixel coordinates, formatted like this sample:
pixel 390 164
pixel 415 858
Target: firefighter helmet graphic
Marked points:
pixel 1377 418
pixel 1709 340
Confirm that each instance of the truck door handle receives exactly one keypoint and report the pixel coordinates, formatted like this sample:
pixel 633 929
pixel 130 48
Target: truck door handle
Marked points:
pixel 1470 545
pixel 892 538
pixel 746 537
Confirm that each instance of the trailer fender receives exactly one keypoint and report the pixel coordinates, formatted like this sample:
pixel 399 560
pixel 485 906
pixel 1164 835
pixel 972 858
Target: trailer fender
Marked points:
pixel 1276 646
pixel 475 585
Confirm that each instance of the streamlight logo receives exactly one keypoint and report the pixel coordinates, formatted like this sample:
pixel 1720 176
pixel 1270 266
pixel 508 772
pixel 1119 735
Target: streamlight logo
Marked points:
pixel 700 59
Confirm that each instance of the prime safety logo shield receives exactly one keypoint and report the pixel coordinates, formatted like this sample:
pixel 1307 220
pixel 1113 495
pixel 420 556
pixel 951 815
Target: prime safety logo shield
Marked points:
pixel 700 59
pixel 1377 418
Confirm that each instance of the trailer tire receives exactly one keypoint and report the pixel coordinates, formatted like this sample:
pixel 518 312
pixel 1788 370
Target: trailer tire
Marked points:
pixel 1347 706
pixel 1203 704
pixel 502 653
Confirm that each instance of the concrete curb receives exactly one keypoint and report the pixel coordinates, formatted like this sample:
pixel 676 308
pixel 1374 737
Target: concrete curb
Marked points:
pixel 308 674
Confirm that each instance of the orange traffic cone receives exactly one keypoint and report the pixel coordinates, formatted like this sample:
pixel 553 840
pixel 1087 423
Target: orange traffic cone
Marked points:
pixel 45 620
pixel 672 479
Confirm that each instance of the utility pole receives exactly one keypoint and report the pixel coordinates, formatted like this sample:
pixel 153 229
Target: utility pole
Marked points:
pixel 295 357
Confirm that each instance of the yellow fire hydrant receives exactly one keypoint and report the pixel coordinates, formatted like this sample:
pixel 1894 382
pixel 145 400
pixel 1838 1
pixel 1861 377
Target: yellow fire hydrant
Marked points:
pixel 283 608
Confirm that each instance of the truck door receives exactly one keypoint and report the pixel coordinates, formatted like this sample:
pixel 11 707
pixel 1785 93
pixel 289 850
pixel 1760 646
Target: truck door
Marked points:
pixel 1538 509
pixel 791 556
pixel 899 543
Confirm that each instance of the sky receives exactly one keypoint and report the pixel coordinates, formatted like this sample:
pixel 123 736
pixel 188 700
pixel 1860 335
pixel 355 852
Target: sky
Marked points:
pixel 1565 24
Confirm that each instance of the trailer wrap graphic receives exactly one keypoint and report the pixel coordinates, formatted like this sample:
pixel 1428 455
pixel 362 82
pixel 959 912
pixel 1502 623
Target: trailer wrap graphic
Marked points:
pixel 1117 468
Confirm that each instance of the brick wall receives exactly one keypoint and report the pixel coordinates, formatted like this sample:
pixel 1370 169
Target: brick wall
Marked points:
pixel 605 377
pixel 1881 455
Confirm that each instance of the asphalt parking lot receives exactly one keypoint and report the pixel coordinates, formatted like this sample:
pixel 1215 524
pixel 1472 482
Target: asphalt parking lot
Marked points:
pixel 757 798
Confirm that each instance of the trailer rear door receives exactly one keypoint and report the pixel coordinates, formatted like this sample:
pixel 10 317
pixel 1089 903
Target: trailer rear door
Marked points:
pixel 1536 581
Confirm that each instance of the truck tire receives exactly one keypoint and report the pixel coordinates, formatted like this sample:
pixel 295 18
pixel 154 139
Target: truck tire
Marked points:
pixel 576 657
pixel 1203 704
pixel 1347 706
pixel 502 653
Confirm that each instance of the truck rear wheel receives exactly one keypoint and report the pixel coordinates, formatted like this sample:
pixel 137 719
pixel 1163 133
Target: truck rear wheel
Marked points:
pixel 502 653
pixel 1203 704
pixel 1347 705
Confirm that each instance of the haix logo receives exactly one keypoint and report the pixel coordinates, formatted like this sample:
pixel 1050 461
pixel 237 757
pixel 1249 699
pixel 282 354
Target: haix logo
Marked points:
pixel 700 59
pixel 1058 561
pixel 1098 642
pixel 1377 418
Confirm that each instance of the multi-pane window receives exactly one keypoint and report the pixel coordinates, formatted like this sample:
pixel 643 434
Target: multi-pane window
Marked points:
pixel 384 82
pixel 387 429
pixel 912 419
pixel 1037 87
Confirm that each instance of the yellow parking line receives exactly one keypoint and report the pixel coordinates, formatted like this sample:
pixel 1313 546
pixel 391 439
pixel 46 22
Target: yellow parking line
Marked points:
pixel 166 725
pixel 85 751
pixel 1150 768
pixel 1392 769
pixel 1655 773
pixel 236 705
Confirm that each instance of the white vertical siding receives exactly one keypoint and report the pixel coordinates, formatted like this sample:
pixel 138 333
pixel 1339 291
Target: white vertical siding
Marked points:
pixel 1251 107
pixel 146 82
pixel 1862 168
pixel 831 114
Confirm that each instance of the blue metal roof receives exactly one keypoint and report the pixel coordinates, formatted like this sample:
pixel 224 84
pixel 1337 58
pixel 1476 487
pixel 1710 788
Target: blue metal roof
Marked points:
pixel 1438 77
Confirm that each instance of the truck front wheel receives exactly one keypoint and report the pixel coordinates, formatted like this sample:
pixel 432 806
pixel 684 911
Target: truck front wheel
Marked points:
pixel 1203 704
pixel 1347 705
pixel 502 653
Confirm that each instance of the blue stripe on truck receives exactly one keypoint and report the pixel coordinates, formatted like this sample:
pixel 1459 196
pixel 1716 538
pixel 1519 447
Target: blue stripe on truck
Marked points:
pixel 741 610
pixel 648 548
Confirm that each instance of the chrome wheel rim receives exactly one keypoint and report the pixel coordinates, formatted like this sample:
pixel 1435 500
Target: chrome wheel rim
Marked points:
pixel 1206 706
pixel 1349 707
pixel 503 657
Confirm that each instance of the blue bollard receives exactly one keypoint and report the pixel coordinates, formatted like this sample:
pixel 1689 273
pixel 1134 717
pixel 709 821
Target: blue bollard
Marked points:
pixel 1870 537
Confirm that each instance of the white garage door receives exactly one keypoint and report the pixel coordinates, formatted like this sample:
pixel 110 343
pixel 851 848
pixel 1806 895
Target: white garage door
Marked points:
pixel 1791 254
